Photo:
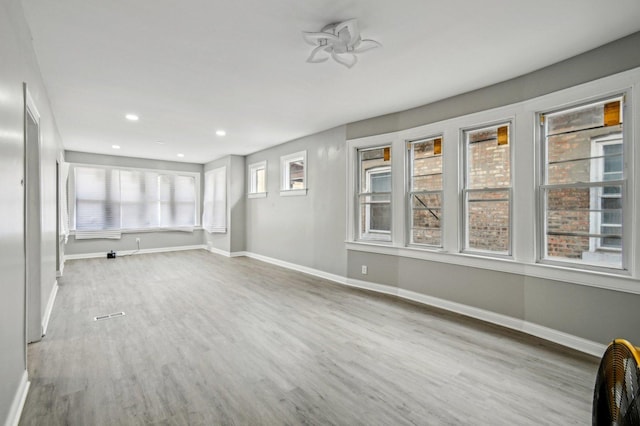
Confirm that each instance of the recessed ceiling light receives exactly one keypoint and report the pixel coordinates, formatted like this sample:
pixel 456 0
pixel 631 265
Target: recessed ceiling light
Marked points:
pixel 115 146
pixel 220 132
pixel 132 117
pixel 180 155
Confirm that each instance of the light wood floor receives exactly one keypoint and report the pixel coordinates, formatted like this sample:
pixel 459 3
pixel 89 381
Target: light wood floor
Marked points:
pixel 208 340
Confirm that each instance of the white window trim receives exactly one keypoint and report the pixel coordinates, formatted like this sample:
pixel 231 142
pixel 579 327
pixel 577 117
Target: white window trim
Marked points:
pixel 409 194
pixel 465 191
pixel 374 171
pixel 628 243
pixel 525 147
pixel 252 169
pixel 284 174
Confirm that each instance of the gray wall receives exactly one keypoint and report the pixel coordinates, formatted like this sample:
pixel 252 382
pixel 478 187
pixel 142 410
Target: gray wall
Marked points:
pixel 618 56
pixel 148 240
pixel 591 313
pixel 233 240
pixel 305 230
pixel 19 65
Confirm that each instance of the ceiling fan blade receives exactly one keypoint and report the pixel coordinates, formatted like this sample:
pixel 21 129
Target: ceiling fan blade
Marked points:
pixel 315 60
pixel 366 45
pixel 346 59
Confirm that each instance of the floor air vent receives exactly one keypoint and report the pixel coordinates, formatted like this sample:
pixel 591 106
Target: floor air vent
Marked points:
pixel 109 316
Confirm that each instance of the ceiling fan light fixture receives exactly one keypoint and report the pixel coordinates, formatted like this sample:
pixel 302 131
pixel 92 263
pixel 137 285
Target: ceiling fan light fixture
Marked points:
pixel 340 41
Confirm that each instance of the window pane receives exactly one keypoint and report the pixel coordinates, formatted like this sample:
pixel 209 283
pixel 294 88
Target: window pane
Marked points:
pixel 488 221
pixel 576 227
pixel 296 174
pixel 425 219
pixel 374 203
pixel 575 157
pixel 375 216
pixel 576 119
pixel 260 181
pixel 488 164
pixel 139 195
pixel 97 199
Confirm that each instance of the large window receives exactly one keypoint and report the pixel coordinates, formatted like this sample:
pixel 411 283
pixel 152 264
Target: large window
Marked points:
pixel 374 195
pixel 425 192
pixel 487 190
pixel 108 200
pixel 584 184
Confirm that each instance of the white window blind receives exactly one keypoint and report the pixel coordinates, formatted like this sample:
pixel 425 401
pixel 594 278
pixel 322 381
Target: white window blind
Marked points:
pixel 214 216
pixel 108 200
pixel 97 203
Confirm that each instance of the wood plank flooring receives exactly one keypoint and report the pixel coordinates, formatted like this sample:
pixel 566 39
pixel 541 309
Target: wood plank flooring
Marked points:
pixel 208 340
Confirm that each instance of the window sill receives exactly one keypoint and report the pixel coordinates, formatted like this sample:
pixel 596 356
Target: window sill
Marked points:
pixel 293 192
pixel 622 281
pixel 147 230
pixel 257 195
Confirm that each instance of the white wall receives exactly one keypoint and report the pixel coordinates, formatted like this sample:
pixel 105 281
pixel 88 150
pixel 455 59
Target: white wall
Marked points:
pixel 19 65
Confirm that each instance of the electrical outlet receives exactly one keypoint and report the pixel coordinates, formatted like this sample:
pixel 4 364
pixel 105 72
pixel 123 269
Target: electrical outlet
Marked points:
pixel 364 269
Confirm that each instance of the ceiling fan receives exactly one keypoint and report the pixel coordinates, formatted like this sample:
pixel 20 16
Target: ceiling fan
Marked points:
pixel 340 41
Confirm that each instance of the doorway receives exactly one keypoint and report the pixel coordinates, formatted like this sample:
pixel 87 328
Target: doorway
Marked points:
pixel 33 219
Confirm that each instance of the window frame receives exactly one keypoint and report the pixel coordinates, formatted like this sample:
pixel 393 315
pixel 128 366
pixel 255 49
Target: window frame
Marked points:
pixel 285 176
pixel 410 193
pixel 369 173
pixel 252 186
pixel 72 197
pixel 465 191
pixel 628 176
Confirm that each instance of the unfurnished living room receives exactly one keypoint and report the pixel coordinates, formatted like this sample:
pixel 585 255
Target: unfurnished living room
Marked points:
pixel 319 212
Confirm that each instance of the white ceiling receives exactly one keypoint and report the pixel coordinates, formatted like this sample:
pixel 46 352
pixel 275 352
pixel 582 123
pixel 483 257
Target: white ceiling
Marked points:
pixel 190 67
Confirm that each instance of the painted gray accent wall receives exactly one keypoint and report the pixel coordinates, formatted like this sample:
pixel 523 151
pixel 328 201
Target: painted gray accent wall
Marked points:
pixel 592 313
pixel 233 240
pixel 620 55
pixel 19 65
pixel 306 230
pixel 148 240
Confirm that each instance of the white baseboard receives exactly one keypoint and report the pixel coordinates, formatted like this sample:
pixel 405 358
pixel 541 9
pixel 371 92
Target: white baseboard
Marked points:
pixel 305 269
pixel 218 251
pixel 49 308
pixel 546 333
pixel 132 252
pixel 15 411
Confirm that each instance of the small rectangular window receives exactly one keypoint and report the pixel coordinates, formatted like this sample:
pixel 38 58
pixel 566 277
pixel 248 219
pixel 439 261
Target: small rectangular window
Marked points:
pixel 257 180
pixel 425 192
pixel 583 184
pixel 374 194
pixel 293 174
pixel 487 190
